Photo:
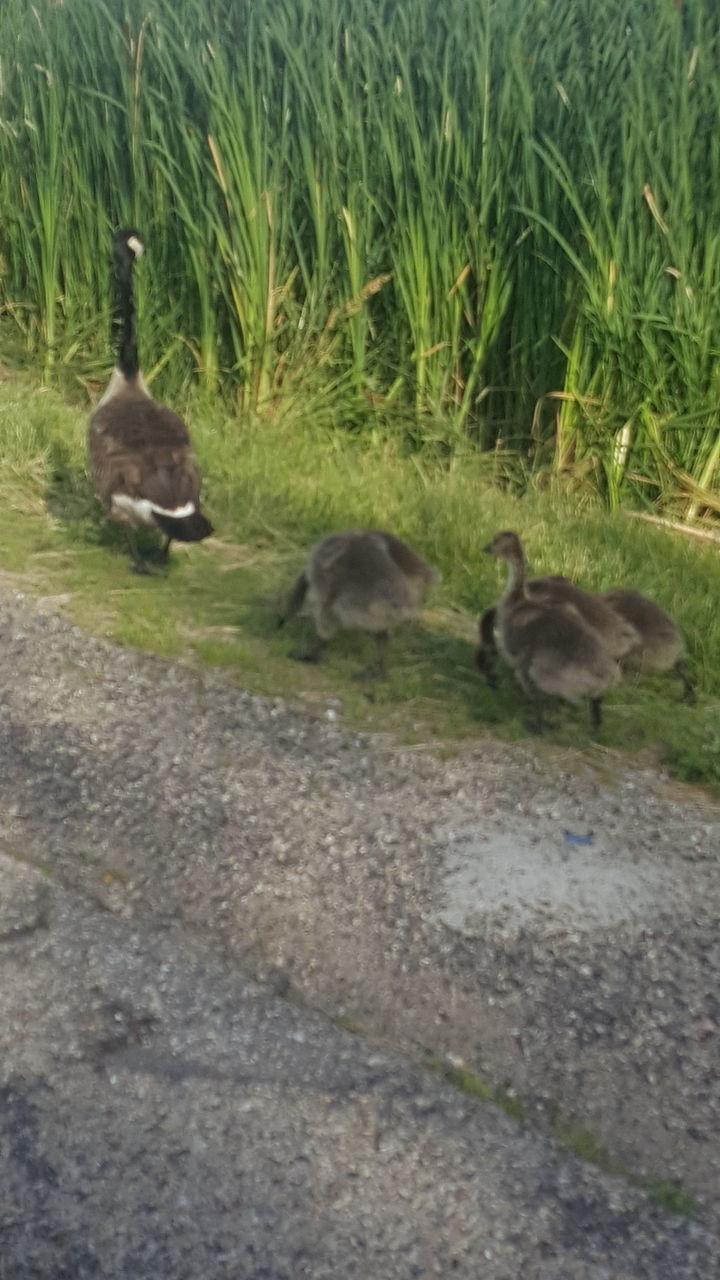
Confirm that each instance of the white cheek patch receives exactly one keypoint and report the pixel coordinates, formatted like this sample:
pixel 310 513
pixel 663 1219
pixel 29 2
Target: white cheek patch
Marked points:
pixel 136 245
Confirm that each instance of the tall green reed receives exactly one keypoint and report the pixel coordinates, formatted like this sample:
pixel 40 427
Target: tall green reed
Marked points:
pixel 493 220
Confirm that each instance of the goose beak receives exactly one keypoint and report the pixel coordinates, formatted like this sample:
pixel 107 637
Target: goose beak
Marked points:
pixel 488 549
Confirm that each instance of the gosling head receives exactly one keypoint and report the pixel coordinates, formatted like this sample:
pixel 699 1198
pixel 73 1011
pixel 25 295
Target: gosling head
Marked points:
pixel 505 545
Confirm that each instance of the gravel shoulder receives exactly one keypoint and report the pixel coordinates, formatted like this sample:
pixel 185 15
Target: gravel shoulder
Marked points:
pixel 172 850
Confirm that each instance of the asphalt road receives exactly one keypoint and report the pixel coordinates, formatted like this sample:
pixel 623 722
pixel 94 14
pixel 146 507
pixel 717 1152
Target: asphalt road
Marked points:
pixel 196 885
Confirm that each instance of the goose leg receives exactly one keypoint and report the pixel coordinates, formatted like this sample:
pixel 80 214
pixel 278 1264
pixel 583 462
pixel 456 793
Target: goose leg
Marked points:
pixel 294 600
pixel 485 663
pixel 533 718
pixel 486 651
pixel 160 555
pixel 595 713
pixel 313 654
pixel 139 564
pixel 533 715
pixel 688 694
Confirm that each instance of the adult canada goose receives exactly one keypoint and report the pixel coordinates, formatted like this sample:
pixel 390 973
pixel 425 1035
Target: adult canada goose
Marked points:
pixel 361 580
pixel 661 643
pixel 547 643
pixel 141 459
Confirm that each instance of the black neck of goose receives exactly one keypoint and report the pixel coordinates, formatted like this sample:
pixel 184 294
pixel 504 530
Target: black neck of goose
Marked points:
pixel 123 322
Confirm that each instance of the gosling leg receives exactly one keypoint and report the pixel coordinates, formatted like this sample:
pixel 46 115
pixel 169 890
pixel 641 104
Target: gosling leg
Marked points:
pixel 294 599
pixel 688 694
pixel 379 670
pixel 533 718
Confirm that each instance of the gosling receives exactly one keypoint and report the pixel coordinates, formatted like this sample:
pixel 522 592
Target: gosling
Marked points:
pixel 661 643
pixel 360 580
pixel 616 630
pixel 548 645
pixel 646 639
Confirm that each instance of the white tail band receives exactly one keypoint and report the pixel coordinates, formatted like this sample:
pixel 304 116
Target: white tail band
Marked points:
pixel 141 510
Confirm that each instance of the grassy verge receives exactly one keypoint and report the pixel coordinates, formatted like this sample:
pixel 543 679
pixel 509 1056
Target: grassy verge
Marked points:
pixel 272 487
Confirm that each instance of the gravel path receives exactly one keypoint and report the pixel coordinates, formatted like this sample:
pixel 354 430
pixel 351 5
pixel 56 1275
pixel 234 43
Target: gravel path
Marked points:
pixel 174 850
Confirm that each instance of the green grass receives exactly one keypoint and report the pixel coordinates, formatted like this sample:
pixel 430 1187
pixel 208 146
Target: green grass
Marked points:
pixel 669 1194
pixel 346 1022
pixel 476 1086
pixel 493 225
pixel 461 1077
pixel 274 486
pixel 587 1146
pixel 672 1196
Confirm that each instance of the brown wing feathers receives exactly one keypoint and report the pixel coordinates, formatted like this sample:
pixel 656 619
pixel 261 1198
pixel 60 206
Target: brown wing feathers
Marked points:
pixel 144 455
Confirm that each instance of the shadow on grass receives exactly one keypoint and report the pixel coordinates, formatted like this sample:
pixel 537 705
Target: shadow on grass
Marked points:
pixel 431 672
pixel 72 501
pixel 428 670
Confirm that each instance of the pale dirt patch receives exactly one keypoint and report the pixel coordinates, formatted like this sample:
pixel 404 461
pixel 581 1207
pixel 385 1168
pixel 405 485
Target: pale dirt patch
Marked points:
pixel 16 581
pixel 558 881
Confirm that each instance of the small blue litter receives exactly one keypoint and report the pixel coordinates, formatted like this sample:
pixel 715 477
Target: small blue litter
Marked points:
pixel 572 838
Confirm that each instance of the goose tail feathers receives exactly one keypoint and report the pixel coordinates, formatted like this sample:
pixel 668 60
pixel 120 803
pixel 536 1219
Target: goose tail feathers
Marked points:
pixel 189 527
